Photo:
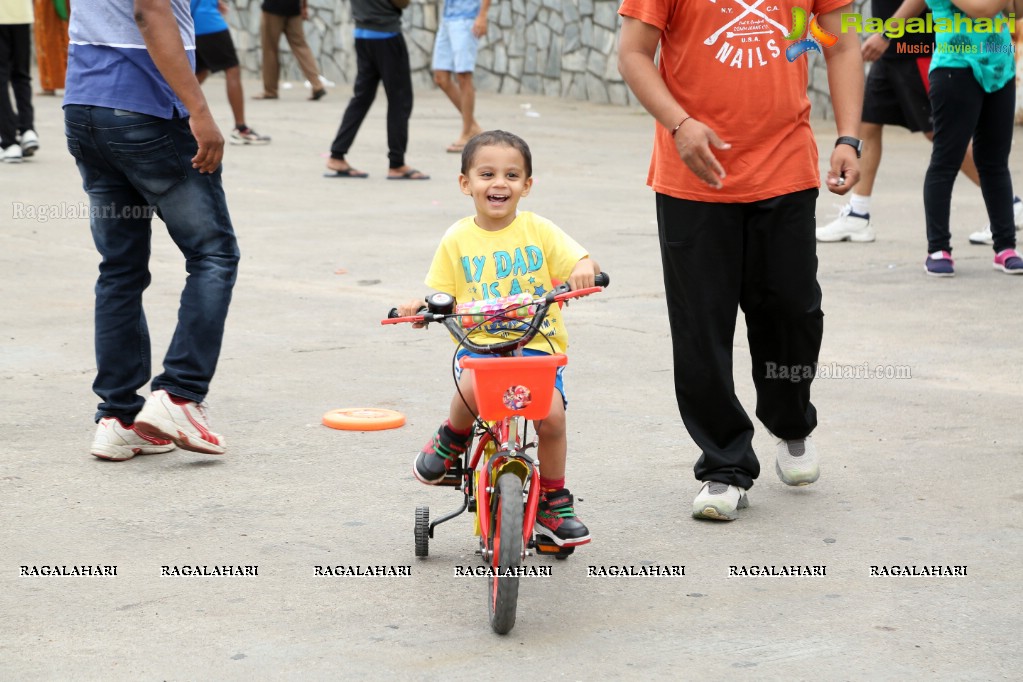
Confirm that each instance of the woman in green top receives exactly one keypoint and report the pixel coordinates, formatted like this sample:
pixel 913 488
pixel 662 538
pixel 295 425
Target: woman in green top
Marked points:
pixel 973 95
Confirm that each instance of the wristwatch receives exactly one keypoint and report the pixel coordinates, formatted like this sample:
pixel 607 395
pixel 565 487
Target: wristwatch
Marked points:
pixel 853 142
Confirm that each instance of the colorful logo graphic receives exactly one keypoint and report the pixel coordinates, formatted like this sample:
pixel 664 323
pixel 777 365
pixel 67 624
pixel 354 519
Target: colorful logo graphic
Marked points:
pixel 816 38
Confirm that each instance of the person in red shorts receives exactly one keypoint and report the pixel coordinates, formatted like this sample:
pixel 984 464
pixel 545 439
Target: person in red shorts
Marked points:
pixel 896 94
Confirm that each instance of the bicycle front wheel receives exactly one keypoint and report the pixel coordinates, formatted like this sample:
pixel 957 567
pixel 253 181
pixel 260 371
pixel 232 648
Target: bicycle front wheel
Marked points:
pixel 506 556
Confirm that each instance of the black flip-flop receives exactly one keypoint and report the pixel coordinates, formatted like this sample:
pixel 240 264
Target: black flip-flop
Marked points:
pixel 346 173
pixel 410 174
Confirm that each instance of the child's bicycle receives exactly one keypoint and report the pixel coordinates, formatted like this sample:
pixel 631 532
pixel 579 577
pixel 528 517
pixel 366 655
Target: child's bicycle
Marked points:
pixel 499 481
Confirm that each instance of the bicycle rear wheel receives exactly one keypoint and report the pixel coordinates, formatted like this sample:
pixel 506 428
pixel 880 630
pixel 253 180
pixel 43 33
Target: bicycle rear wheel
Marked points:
pixel 506 557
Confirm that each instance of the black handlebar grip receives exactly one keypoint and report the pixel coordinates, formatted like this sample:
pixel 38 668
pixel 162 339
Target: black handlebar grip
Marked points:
pixel 393 314
pixel 602 279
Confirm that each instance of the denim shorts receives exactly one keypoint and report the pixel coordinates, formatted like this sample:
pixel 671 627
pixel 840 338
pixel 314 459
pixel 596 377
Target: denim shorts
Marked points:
pixel 455 47
pixel 559 381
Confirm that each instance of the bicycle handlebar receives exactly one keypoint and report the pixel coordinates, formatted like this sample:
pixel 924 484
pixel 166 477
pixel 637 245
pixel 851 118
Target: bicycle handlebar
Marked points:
pixel 451 322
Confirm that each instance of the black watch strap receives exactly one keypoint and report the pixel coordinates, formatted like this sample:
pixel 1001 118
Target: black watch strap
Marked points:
pixel 853 142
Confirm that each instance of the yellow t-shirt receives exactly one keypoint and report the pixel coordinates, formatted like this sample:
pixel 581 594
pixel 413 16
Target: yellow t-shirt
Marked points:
pixel 473 264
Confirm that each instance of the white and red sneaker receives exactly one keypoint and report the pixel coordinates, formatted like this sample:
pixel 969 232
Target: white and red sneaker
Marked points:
pixel 118 442
pixel 182 420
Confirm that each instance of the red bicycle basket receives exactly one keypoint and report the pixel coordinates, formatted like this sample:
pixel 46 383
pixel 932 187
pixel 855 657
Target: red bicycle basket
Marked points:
pixel 514 386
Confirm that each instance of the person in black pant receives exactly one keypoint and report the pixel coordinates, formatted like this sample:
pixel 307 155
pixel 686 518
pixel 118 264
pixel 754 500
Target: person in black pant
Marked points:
pixel 381 56
pixel 973 96
pixel 17 137
pixel 736 182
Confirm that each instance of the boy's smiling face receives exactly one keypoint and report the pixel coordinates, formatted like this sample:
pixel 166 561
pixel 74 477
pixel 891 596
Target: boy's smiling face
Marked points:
pixel 496 181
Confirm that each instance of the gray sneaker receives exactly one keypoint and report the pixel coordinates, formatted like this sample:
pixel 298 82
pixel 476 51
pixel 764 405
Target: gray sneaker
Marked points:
pixel 797 462
pixel 719 501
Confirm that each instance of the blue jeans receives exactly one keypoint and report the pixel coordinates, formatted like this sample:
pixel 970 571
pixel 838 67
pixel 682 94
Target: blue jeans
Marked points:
pixel 133 165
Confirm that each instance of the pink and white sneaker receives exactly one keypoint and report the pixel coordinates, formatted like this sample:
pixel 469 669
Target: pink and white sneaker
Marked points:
pixel 117 442
pixel 1009 261
pixel 181 420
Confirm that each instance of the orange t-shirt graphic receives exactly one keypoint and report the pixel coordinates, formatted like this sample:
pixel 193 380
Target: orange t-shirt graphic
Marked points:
pixel 724 62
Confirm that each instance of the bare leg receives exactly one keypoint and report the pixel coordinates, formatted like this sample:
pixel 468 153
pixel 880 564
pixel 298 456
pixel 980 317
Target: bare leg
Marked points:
pixel 552 449
pixel 460 416
pixel 201 76
pixel 463 95
pixel 235 96
pixel 872 135
pixel 467 91
pixel 444 82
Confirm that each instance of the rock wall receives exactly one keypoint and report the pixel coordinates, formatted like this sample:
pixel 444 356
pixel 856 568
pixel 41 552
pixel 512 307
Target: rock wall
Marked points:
pixel 561 48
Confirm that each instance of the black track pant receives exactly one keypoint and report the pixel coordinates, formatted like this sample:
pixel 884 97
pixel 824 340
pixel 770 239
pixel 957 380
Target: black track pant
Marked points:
pixel 379 61
pixel 759 256
pixel 16 76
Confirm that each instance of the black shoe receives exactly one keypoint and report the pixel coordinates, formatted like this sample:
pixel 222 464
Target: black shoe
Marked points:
pixel 440 453
pixel 556 519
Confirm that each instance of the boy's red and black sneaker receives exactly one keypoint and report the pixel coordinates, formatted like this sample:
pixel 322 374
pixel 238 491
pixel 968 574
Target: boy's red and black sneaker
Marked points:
pixel 439 455
pixel 555 518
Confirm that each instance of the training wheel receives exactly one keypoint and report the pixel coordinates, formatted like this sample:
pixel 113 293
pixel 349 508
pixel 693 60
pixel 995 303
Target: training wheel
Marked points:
pixel 422 531
pixel 363 419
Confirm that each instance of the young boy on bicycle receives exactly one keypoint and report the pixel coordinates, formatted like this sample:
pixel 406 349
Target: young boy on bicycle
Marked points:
pixel 499 252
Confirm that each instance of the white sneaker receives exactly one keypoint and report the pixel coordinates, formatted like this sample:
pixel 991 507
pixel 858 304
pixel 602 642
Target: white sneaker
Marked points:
pixel 848 226
pixel 12 154
pixel 181 420
pixel 29 143
pixel 985 237
pixel 797 462
pixel 118 442
pixel 719 501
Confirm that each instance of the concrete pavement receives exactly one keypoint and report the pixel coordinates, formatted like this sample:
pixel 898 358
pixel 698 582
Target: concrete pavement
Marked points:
pixel 918 470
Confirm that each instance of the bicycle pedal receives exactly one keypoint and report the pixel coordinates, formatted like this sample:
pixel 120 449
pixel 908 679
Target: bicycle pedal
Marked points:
pixel 545 545
pixel 452 478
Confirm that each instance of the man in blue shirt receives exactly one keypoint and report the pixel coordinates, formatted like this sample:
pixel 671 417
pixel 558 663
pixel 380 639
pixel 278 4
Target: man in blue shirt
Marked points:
pixel 462 25
pixel 144 140
pixel 214 51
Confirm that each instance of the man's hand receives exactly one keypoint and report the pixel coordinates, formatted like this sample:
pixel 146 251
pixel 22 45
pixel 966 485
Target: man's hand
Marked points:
pixel 845 170
pixel 479 27
pixel 159 30
pixel 874 46
pixel 694 140
pixel 210 141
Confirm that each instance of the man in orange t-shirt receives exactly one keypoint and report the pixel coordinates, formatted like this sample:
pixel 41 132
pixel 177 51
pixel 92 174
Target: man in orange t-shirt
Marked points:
pixel 735 173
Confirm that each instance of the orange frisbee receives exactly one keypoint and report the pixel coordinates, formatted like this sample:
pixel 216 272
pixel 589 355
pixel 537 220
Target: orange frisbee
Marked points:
pixel 363 419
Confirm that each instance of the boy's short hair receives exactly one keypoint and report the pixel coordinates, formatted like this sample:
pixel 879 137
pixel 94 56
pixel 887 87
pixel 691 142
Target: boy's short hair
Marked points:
pixel 491 138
